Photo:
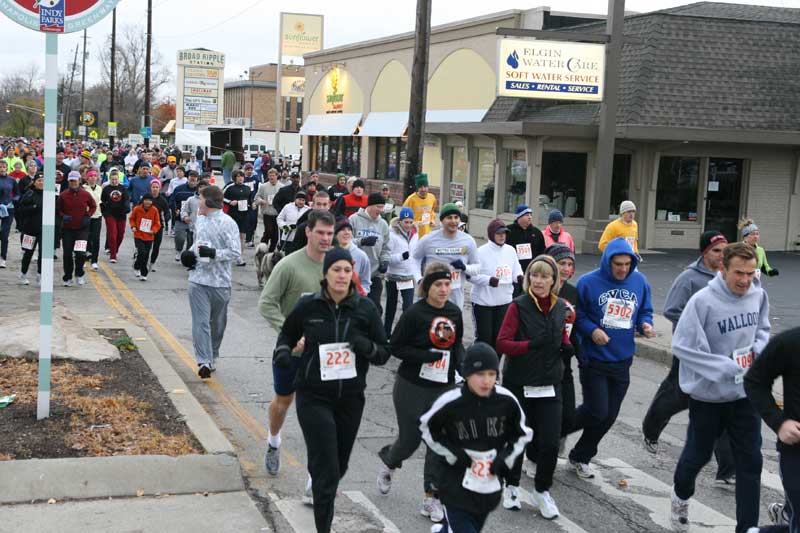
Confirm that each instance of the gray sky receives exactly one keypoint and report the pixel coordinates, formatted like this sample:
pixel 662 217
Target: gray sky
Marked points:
pixel 246 30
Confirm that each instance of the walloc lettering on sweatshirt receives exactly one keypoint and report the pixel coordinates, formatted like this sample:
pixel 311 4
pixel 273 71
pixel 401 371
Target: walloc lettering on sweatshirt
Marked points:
pixel 742 320
pixel 451 251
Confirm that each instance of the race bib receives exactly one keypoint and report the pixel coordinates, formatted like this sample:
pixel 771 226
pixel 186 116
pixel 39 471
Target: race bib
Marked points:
pixel 270 197
pixel 436 371
pixel 631 241
pixel 478 477
pixel 403 285
pixel 336 361
pixel 28 242
pixel 251 184
pixel 548 391
pixel 80 246
pixel 503 273
pixel 426 218
pixel 743 357
pixel 524 251
pixel 455 279
pixel 146 225
pixel 242 205
pixel 617 314
pixel 388 208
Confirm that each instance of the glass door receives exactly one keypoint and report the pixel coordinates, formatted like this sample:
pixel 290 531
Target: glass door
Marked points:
pixel 722 196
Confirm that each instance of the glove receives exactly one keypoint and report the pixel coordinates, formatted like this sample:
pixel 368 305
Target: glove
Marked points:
pixel 206 251
pixel 499 467
pixel 494 282
pixel 406 255
pixel 372 240
pixel 285 229
pixel 773 272
pixel 458 264
pixel 462 459
pixel 383 267
pixel 520 279
pixel 292 227
pixel 189 260
pixel 362 346
pixel 282 357
pixel 567 350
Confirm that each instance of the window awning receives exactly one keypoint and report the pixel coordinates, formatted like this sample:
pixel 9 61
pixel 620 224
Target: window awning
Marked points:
pixel 385 124
pixel 454 115
pixel 169 128
pixel 333 125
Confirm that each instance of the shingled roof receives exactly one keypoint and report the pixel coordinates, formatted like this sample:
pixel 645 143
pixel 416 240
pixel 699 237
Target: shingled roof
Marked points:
pixel 704 65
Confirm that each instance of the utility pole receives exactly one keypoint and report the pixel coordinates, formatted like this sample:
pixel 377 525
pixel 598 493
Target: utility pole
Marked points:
pixel 83 87
pixel 68 97
pixel 113 74
pixel 147 68
pixel 278 97
pixel 419 85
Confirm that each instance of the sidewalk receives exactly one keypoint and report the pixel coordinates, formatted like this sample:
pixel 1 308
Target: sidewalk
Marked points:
pixel 194 493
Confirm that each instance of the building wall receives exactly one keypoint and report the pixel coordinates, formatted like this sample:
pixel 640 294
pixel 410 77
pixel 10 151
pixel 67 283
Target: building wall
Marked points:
pixel 768 199
pixel 391 89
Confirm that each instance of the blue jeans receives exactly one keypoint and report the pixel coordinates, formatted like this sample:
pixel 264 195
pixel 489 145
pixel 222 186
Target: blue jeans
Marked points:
pixel 706 423
pixel 226 176
pixel 5 229
pixel 604 387
pixel 391 304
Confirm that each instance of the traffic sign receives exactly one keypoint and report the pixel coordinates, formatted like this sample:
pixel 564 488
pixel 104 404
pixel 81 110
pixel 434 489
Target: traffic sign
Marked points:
pixel 81 130
pixel 146 132
pixel 112 129
pixel 93 134
pixel 57 16
pixel 68 134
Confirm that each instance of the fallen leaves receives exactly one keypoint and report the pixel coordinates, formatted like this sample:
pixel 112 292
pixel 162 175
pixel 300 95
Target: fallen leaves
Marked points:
pixel 21 377
pixel 4 457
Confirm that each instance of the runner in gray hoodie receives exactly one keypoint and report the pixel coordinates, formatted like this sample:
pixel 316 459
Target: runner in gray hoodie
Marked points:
pixel 723 328
pixel 371 235
pixel 670 400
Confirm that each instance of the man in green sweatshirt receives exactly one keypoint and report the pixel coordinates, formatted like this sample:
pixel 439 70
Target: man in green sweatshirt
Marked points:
pixel 227 162
pixel 296 274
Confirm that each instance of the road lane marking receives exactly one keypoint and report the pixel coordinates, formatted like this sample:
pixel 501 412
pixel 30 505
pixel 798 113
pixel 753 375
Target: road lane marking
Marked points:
pixel 361 499
pixel 562 521
pixel 248 421
pixel 299 515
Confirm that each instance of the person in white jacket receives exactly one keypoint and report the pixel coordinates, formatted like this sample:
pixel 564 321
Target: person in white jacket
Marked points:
pixel 287 218
pixel 493 287
pixel 404 271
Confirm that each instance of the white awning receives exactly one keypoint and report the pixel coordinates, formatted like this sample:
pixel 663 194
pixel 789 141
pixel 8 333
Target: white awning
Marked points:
pixel 169 128
pixel 192 137
pixel 333 125
pixel 454 115
pixel 385 124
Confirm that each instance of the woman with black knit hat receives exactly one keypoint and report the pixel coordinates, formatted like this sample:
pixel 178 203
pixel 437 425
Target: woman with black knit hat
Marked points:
pixel 533 337
pixel 427 339
pixel 343 336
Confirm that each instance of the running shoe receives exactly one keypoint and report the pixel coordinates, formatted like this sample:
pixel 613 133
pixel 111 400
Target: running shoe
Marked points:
pixel 511 499
pixel 95 267
pixel 777 514
pixel 241 263
pixel 2 263
pixel 142 278
pixel 432 508
pixel 23 279
pixel 385 479
pixel 725 481
pixel 545 503
pixel 308 495
pixel 679 513
pixel 152 267
pixel 582 470
pixel 650 446
pixel 178 257
pixel 204 371
pixel 81 280
pixel 112 260
pixel 272 460
pixel 68 283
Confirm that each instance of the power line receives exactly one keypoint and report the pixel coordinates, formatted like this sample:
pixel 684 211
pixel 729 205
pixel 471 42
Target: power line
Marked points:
pixel 216 25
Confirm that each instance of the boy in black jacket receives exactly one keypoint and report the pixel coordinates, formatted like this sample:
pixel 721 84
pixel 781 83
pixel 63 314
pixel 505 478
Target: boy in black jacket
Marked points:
pixel 478 430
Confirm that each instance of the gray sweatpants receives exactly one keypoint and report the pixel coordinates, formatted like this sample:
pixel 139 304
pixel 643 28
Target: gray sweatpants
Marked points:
pixel 209 318
pixel 411 402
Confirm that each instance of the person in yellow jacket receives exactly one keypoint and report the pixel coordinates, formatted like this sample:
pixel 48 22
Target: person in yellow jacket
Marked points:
pixel 625 226
pixel 423 203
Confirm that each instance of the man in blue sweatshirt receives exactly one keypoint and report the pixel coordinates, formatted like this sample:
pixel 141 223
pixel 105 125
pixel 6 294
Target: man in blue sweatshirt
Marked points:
pixel 613 303
pixel 722 329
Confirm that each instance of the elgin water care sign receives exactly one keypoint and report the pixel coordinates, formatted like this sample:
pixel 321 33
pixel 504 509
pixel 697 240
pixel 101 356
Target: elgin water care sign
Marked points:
pixel 551 69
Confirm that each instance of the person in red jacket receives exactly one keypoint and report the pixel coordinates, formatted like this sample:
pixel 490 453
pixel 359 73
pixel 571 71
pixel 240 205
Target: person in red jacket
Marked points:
pixel 145 221
pixel 75 206
pixel 349 204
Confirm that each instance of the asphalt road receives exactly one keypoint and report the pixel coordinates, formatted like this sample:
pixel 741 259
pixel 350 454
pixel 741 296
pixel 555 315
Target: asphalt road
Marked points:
pixel 241 390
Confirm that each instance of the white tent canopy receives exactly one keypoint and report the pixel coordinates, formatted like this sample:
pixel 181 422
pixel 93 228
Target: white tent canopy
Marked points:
pixel 192 137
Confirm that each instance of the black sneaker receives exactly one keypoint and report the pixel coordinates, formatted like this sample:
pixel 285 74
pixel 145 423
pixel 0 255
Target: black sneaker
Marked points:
pixel 204 371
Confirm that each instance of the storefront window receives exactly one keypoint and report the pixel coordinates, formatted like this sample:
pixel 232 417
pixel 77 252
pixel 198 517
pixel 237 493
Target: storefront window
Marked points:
pixel 458 173
pixel 336 154
pixel 620 181
pixel 676 198
pixel 564 182
pixel 390 155
pixel 485 184
pixel 517 176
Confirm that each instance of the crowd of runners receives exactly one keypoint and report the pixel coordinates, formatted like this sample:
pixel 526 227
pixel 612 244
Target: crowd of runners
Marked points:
pixel 325 257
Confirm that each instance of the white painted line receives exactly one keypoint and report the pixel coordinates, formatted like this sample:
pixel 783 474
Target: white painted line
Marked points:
pixel 562 521
pixel 358 497
pixel 299 516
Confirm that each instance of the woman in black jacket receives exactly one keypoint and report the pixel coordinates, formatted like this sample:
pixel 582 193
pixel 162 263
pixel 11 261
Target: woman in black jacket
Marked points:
pixel 30 212
pixel 340 334
pixel 114 205
pixel 534 339
pixel 427 339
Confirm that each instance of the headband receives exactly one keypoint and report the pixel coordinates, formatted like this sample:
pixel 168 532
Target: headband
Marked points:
pixel 716 239
pixel 433 277
pixel 541 259
pixel 748 229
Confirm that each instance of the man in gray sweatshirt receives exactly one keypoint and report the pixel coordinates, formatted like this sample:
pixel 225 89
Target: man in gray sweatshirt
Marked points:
pixel 371 235
pixel 722 329
pixel 670 400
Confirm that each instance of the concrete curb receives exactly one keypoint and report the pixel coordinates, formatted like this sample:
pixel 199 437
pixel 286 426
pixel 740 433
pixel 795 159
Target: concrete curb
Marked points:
pixel 653 351
pixel 199 421
pixel 121 476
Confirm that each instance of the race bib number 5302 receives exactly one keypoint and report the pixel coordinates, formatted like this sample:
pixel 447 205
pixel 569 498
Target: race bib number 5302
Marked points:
pixel 617 314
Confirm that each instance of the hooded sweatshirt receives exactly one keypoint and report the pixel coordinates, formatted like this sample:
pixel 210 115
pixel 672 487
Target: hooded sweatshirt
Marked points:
pixel 717 337
pixel 364 226
pixel 695 277
pixel 496 262
pixel 399 242
pixel 617 307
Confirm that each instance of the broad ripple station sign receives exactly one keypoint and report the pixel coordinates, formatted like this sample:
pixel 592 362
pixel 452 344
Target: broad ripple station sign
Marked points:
pixel 57 16
pixel 555 70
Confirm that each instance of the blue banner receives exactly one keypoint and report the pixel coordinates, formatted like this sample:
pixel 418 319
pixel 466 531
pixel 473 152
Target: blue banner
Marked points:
pixel 51 16
pixel 551 87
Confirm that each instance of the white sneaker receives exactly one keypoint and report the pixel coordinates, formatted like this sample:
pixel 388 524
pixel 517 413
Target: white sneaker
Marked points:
pixel 112 260
pixel 2 263
pixel 178 257
pixel 511 499
pixel 142 278
pixel 679 513
pixel 308 495
pixel 152 267
pixel 68 283
pixel 95 267
pixel 23 279
pixel 81 280
pixel 546 504
pixel 138 274
pixel 384 481
pixel 582 469
pixel 432 508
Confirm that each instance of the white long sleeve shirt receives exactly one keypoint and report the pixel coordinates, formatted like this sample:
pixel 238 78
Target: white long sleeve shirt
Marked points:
pixel 402 269
pixel 499 262
pixel 289 216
